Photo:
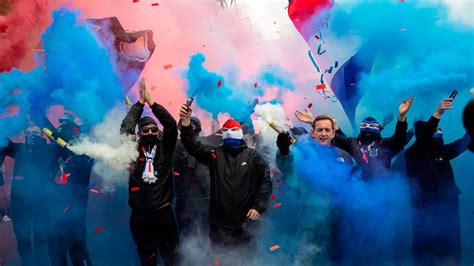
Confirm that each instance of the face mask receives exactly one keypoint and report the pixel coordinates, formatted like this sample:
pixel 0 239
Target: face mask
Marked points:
pixel 231 142
pixel 232 138
pixel 148 139
pixel 32 139
pixel 368 137
pixel 68 131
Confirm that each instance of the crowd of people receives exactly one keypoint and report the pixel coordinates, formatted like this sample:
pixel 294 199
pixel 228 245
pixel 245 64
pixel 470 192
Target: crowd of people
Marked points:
pixel 220 186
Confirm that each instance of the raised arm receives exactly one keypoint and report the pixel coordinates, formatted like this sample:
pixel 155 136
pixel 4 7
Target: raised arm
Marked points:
pixel 170 129
pixel 202 153
pixel 454 149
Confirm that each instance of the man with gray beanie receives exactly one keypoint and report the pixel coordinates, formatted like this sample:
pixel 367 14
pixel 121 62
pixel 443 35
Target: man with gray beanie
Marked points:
pixel 152 222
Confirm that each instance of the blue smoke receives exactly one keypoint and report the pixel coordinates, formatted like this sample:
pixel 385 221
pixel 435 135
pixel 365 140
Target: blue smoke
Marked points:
pixel 77 74
pixel 233 96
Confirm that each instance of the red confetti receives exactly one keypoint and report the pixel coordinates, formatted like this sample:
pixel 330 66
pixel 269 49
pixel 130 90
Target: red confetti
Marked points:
pixel 155 4
pixel 64 177
pixel 76 130
pixel 168 66
pixel 277 205
pixel 136 1
pixel 98 229
pixel 216 262
pixel 274 196
pixel 94 191
pixel 320 86
pixel 175 173
pixel 274 247
pixel 219 83
pixel 255 85
pixel 135 189
pixel 310 105
pixel 66 209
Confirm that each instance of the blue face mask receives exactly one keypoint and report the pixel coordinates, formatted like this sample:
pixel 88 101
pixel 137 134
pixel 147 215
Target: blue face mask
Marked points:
pixel 230 142
pixel 370 126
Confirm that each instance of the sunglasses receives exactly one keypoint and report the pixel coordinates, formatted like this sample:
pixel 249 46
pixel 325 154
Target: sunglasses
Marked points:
pixel 364 125
pixel 147 130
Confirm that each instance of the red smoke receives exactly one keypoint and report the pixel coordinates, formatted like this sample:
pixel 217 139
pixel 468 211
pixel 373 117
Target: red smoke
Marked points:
pixel 20 31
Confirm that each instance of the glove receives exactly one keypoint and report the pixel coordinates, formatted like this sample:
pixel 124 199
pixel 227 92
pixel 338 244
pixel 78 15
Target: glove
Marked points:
pixel 283 142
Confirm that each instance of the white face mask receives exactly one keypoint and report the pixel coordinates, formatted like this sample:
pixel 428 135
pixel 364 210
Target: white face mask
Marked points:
pixel 232 133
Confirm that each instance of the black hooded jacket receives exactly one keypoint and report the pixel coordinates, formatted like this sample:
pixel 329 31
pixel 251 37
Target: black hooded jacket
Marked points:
pixel 240 179
pixel 429 167
pixel 378 161
pixel 32 171
pixel 144 196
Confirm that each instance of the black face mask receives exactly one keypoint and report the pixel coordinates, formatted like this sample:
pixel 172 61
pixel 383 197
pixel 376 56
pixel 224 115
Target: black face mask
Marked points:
pixel 368 137
pixel 148 139
pixel 437 142
pixel 68 131
pixel 32 139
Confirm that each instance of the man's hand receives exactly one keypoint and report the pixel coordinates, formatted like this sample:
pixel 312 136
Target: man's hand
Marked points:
pixel 283 142
pixel 185 115
pixel 444 105
pixel 141 90
pixel 253 215
pixel 403 109
pixel 148 98
pixel 305 117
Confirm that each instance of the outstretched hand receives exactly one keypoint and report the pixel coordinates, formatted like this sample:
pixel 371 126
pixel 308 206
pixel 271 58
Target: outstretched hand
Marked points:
pixel 403 109
pixel 306 116
pixel 185 115
pixel 444 105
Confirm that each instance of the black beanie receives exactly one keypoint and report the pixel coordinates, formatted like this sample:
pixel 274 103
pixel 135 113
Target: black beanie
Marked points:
pixel 145 121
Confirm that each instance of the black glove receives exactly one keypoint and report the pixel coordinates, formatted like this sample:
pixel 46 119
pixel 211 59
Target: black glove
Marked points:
pixel 284 142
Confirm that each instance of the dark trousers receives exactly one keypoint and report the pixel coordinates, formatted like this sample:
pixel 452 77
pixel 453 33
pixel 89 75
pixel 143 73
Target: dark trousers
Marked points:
pixel 155 230
pixel 29 224
pixel 192 216
pixel 67 235
pixel 436 235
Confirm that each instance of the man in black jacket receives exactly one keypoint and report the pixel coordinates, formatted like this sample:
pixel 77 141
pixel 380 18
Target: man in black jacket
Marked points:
pixel 32 173
pixel 67 199
pixel 240 181
pixel 152 221
pixel 372 153
pixel 434 193
pixel 191 185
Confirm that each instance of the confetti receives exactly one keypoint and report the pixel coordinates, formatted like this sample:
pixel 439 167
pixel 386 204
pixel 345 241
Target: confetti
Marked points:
pixel 336 64
pixel 94 191
pixel 322 79
pixel 175 174
pixel 66 209
pixel 310 105
pixel 76 130
pixel 135 189
pixel 319 50
pixel 64 177
pixel 216 262
pixel 274 247
pixel 320 86
pixel 153 88
pixel 313 61
pixel 219 83
pixel 255 85
pixel 277 205
pixel 155 4
pixel 168 66
pixel 317 37
pixel 274 196
pixel 136 1
pixel 98 229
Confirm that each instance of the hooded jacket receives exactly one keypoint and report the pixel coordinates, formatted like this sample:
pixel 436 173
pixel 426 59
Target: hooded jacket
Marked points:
pixel 32 171
pixel 240 179
pixel 429 166
pixel 377 161
pixel 145 196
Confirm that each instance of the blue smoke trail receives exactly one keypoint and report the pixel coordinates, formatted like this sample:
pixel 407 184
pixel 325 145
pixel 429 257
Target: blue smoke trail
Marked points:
pixel 77 73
